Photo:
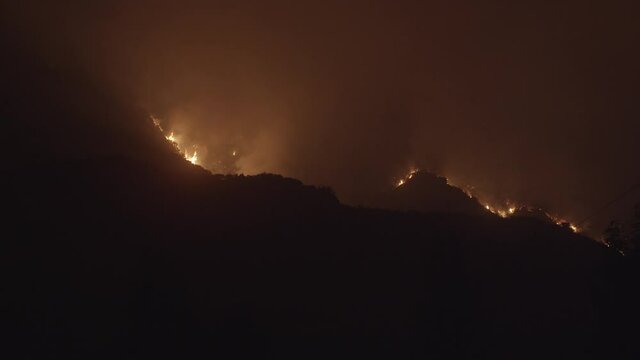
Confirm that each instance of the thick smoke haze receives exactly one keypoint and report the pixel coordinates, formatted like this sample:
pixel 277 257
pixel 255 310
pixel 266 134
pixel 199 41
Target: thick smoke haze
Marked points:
pixel 530 101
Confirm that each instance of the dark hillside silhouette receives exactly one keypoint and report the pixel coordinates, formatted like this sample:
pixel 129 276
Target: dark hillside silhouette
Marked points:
pixel 115 247
pixel 427 192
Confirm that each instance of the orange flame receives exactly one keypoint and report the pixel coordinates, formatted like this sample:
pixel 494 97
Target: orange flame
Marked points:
pixel 506 211
pixel 174 140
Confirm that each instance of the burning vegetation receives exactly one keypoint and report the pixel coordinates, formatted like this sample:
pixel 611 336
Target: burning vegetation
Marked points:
pixel 509 209
pixel 408 177
pixel 190 156
pixel 502 210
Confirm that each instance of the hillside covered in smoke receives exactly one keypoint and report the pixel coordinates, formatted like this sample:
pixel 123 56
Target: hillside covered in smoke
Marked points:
pixel 528 101
pixel 116 247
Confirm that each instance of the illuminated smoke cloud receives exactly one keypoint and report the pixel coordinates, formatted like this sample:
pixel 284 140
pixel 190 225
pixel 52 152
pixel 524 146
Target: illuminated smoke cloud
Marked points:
pixel 510 99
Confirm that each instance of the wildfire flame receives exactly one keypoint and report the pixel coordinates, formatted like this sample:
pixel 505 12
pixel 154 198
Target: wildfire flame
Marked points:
pixel 501 211
pixel 505 211
pixel 407 177
pixel 173 139
pixel 193 158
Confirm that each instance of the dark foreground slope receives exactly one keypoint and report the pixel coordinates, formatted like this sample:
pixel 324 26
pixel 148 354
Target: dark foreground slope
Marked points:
pixel 111 258
pixel 114 248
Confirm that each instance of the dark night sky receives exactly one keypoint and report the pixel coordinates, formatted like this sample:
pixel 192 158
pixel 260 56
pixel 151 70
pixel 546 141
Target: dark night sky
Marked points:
pixel 534 101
